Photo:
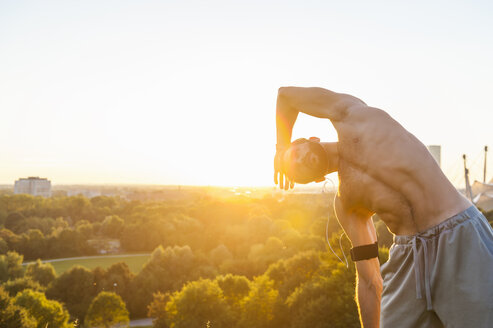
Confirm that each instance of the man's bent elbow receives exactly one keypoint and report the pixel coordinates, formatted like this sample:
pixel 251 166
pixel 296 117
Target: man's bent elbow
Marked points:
pixel 282 92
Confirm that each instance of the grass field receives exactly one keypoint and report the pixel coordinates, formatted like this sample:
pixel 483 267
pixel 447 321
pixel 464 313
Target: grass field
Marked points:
pixel 134 262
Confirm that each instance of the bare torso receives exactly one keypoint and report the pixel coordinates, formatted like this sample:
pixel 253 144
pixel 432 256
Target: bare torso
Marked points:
pixel 384 169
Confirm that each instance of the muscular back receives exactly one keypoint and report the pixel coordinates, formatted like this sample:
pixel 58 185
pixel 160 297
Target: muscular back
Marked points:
pixel 384 169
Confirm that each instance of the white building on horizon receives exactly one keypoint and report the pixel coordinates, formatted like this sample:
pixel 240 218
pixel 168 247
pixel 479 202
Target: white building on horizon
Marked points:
pixel 35 186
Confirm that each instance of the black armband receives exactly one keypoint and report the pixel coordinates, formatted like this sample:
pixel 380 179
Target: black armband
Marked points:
pixel 364 252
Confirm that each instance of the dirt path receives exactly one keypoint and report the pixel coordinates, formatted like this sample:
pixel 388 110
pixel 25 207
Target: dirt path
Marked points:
pixel 141 322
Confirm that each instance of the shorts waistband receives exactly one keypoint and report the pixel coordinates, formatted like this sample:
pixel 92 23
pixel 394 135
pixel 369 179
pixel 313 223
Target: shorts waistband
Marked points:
pixel 448 224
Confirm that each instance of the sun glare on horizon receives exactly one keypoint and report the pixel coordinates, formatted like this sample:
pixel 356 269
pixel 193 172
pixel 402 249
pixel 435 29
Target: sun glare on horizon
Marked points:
pixel 162 93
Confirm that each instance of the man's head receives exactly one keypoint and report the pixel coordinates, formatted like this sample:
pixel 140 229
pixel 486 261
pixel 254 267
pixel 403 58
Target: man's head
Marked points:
pixel 306 161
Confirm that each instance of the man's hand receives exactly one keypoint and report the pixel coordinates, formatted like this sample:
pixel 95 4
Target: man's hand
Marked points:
pixel 279 173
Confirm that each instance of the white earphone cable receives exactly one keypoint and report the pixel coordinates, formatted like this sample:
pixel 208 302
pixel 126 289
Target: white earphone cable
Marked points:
pixel 327 229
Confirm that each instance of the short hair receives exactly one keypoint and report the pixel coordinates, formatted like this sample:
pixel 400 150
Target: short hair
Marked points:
pixel 308 161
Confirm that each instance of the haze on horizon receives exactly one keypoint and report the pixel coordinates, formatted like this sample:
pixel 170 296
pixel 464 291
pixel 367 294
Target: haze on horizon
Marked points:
pixel 183 93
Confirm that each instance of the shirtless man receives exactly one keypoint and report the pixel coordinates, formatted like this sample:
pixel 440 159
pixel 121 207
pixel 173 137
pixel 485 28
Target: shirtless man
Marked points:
pixel 440 268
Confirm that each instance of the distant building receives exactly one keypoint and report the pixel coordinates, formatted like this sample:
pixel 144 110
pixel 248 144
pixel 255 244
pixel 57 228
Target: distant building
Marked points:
pixel 436 151
pixel 33 186
pixel 105 245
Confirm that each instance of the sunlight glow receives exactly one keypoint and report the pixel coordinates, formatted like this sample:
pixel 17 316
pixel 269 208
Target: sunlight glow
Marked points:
pixel 184 93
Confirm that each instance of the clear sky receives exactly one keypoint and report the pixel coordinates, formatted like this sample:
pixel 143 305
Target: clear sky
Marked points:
pixel 183 92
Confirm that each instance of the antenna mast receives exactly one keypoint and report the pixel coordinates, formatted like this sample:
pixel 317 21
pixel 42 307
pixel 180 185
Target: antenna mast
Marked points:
pixel 468 185
pixel 485 153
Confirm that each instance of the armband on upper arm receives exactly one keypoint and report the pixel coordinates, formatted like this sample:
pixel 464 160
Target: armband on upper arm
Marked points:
pixel 364 252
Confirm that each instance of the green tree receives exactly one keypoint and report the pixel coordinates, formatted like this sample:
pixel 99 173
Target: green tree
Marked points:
pixel 75 288
pixel 289 274
pixel 18 203
pixel 84 228
pixel 20 284
pixel 67 242
pixel 77 207
pixel 44 273
pixel 262 255
pixel 13 241
pixel 13 316
pixel 15 222
pixel 48 313
pixel 107 309
pixel 326 300
pixel 4 247
pixel 167 270
pixel 33 244
pixel 11 266
pixel 258 307
pixel 199 304
pixel 112 226
pixel 116 278
pixel 235 289
pixel 3 216
pixel 157 310
pixel 220 254
pixel 145 235
pixel 103 206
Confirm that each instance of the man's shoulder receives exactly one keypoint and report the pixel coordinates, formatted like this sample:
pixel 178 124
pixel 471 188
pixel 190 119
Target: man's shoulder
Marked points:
pixel 362 112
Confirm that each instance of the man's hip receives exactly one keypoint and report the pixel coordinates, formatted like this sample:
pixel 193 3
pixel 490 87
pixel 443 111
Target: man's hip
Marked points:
pixel 441 277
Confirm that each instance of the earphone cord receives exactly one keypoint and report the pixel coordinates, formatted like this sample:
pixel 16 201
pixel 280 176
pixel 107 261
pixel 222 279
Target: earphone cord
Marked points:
pixel 327 231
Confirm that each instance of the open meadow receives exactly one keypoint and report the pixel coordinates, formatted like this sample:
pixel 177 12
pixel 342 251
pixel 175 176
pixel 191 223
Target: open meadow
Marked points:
pixel 134 262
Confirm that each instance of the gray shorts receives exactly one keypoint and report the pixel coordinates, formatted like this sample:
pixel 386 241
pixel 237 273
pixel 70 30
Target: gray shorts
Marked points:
pixel 442 277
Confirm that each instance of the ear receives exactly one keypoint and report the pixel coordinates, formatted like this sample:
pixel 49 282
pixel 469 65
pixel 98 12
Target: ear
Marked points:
pixel 316 139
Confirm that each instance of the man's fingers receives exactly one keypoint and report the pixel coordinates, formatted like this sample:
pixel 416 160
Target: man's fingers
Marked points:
pixel 283 181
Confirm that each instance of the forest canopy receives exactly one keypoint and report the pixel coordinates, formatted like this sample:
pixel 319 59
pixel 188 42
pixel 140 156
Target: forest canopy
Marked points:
pixel 220 261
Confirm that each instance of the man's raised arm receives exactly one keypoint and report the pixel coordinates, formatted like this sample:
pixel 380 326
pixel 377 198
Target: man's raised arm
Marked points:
pixel 316 102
